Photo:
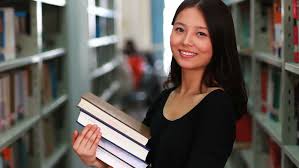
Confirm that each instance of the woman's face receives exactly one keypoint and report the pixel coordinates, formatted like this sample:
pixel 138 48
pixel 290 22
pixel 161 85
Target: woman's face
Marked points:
pixel 190 40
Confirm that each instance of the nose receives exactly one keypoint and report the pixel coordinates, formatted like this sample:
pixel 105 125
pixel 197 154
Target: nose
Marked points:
pixel 188 39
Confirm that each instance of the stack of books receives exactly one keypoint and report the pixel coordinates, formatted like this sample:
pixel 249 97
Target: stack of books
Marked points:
pixel 124 139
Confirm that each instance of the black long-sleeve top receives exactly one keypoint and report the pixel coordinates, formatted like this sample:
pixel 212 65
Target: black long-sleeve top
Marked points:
pixel 202 138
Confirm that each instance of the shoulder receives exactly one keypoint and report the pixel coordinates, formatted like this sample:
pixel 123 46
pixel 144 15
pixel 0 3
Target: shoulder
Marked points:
pixel 156 106
pixel 164 94
pixel 219 104
pixel 219 97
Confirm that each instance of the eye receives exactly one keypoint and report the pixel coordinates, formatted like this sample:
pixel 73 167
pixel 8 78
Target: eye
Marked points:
pixel 201 34
pixel 179 29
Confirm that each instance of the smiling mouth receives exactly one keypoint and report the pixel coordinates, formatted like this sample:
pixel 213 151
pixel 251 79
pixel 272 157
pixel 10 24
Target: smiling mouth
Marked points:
pixel 187 54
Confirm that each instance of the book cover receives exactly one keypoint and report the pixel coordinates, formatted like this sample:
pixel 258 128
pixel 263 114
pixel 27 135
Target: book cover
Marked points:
pixel 7 99
pixel 114 136
pixel 110 159
pixel 9 34
pixel 115 117
pixel 121 154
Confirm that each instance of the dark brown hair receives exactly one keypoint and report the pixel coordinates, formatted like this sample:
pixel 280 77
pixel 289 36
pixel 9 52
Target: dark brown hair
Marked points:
pixel 224 68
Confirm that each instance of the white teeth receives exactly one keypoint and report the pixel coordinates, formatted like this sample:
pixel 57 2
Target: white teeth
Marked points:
pixel 187 53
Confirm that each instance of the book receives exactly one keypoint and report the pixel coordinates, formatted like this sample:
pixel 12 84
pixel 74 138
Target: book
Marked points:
pixel 274 154
pixel 115 117
pixel 121 154
pixel 7 44
pixel 114 136
pixel 264 75
pixel 296 108
pixel 110 159
pixel 123 136
pixel 107 150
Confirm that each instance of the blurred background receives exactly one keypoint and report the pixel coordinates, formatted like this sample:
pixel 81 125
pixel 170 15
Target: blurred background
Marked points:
pixel 53 51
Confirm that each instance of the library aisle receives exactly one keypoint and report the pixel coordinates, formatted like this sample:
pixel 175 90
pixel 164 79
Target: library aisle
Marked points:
pixel 53 51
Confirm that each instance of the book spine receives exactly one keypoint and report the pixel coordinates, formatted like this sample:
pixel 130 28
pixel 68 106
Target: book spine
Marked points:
pixel 9 33
pixel 114 137
pixel 7 99
pixel 121 154
pixel 113 128
pixel 2 114
pixel 119 125
pixel 2 29
pixel 110 159
pixel 264 85
pixel 295 30
pixel 296 107
pixel 54 79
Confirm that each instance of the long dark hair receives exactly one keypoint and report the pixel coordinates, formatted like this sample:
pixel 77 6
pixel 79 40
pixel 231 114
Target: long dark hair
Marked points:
pixel 224 68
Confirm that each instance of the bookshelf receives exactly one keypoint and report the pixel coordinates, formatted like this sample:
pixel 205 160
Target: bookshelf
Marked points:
pixel 95 61
pixel 272 71
pixel 103 53
pixel 35 44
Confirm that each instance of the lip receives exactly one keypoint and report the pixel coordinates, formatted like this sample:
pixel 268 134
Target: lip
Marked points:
pixel 187 54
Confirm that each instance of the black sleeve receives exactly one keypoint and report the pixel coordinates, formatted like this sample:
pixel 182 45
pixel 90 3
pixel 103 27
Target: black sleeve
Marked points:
pixel 214 135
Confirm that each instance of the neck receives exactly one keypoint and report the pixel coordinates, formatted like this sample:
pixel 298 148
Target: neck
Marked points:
pixel 192 82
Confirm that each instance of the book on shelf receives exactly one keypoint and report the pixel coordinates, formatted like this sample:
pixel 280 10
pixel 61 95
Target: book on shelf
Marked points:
pixel 264 75
pixel 7 34
pixel 295 6
pixel 274 154
pixel 16 97
pixel 296 107
pixel 18 154
pixel 276 85
pixel 277 21
pixel 122 136
pixel 7 154
pixel 51 81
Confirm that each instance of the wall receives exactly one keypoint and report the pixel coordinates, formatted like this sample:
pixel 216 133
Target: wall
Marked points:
pixel 135 22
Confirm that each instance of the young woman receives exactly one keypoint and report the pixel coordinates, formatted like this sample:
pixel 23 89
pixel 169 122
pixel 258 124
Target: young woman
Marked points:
pixel 193 122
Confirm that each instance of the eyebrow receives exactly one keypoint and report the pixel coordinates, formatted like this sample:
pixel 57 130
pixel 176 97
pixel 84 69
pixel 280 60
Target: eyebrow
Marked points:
pixel 200 27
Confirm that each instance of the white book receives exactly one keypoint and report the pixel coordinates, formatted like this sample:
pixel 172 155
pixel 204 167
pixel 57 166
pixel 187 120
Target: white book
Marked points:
pixel 9 49
pixel 114 137
pixel 110 159
pixel 113 116
pixel 122 154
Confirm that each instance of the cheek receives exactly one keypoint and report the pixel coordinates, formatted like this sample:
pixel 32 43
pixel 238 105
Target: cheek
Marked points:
pixel 206 47
pixel 173 42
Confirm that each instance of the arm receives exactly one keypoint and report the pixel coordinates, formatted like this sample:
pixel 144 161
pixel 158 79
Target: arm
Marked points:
pixel 214 136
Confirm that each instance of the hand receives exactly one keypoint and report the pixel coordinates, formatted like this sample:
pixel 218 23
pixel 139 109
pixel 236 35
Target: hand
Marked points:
pixel 85 145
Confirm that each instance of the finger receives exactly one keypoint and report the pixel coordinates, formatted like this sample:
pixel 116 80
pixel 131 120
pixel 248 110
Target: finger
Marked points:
pixel 96 142
pixel 86 142
pixel 81 136
pixel 93 138
pixel 75 136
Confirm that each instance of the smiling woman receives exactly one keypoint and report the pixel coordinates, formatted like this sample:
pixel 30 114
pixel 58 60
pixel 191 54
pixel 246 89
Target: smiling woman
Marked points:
pixel 206 97
pixel 207 93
